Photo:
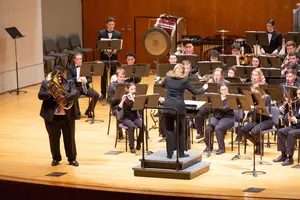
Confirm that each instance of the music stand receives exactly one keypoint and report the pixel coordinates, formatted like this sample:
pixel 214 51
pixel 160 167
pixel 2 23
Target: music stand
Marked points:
pixel 271 72
pixel 92 69
pixel 191 57
pixel 136 70
pixel 257 38
pixel 230 60
pixel 274 92
pixel 108 45
pixel 239 103
pixel 213 88
pixel 233 79
pixel 207 67
pixel 160 90
pixel 264 60
pixel 253 101
pixel 244 71
pixel 275 80
pixel 292 36
pixel 212 100
pixel 15 34
pixel 163 68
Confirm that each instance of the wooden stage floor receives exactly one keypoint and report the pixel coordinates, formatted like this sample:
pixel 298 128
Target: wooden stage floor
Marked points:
pixel 25 157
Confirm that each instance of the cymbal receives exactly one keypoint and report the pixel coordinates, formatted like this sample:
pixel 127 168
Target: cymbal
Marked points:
pixel 223 31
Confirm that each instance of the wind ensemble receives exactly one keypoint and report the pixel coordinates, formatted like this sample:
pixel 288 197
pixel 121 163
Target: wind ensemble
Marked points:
pixel 221 75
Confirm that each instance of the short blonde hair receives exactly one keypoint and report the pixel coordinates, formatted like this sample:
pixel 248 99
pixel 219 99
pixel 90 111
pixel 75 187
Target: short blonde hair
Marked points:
pixel 177 72
pixel 120 71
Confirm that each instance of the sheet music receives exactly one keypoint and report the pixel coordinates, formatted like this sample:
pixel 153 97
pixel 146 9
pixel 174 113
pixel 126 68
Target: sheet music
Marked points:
pixel 198 104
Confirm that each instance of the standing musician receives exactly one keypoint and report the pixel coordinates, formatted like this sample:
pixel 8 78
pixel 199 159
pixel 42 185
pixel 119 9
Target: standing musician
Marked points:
pixel 287 136
pixel 57 119
pixel 120 78
pixel 82 85
pixel 108 33
pixel 252 132
pixel 220 121
pixel 131 117
pixel 256 62
pixel 257 76
pixel 176 83
pixel 275 39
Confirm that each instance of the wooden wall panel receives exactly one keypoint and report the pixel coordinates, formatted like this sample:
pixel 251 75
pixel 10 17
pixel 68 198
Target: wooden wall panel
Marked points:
pixel 203 17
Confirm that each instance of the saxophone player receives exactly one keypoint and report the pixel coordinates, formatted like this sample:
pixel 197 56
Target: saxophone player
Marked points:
pixel 57 119
pixel 287 136
pixel 82 85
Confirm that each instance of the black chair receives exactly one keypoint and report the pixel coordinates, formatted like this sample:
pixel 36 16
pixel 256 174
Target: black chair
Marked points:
pixel 50 50
pixel 49 62
pixel 64 47
pixel 76 45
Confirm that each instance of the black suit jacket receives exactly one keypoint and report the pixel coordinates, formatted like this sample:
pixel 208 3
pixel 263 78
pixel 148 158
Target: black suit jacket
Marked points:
pixel 174 95
pixel 49 104
pixel 72 75
pixel 275 43
pixel 104 34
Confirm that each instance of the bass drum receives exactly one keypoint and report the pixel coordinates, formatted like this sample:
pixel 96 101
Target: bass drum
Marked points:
pixel 160 40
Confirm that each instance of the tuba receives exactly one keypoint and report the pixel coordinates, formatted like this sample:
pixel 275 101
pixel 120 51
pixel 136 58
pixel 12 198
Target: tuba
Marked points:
pixel 57 90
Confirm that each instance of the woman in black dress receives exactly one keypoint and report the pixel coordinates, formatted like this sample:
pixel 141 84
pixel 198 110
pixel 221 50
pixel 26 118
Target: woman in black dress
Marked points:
pixel 176 83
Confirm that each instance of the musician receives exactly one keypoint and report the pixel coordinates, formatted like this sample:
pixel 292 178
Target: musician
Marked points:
pixel 220 122
pixel 131 117
pixel 258 77
pixel 256 62
pixel 235 49
pixel 82 85
pixel 290 47
pixel 120 74
pixel 251 132
pixel 172 59
pixel 291 79
pixel 231 72
pixel 293 63
pixel 218 77
pixel 176 83
pixel 57 119
pixel 214 55
pixel 275 39
pixel 108 33
pixel 188 49
pixel 287 136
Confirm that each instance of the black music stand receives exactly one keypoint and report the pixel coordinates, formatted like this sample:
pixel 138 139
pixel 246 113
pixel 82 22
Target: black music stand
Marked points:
pixel 230 60
pixel 293 91
pixel 252 100
pixel 275 80
pixel 238 88
pixel 274 92
pixel 239 103
pixel 292 36
pixel 163 68
pixel 15 34
pixel 244 71
pixel 257 38
pixel 207 67
pixel 92 69
pixel 108 45
pixel 264 60
pixel 271 72
pixel 136 70
pixel 212 100
pixel 213 88
pixel 191 57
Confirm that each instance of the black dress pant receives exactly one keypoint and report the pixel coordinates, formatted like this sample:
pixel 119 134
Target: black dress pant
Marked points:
pixel 252 133
pixel 162 124
pixel 59 124
pixel 91 94
pixel 131 125
pixel 287 138
pixel 219 126
pixel 199 120
pixel 171 132
pixel 104 77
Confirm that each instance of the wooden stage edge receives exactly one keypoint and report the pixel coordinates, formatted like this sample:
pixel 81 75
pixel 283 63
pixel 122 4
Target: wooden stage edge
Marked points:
pixel 25 161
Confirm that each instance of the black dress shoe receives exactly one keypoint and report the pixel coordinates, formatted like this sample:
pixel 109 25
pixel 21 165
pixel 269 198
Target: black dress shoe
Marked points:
pixel 199 136
pixel 138 146
pixel 183 155
pixel 280 158
pixel 102 97
pixel 220 152
pixel 132 150
pixel 206 150
pixel 89 114
pixel 54 163
pixel 288 161
pixel 74 163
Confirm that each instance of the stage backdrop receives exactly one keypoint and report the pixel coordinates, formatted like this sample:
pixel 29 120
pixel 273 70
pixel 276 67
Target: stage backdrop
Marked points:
pixel 203 17
pixel 26 16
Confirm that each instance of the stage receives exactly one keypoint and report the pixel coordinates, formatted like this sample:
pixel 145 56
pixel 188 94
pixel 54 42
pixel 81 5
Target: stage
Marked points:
pixel 25 157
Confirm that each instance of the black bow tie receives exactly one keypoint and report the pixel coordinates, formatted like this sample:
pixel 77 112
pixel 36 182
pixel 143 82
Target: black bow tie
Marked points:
pixel 77 66
pixel 110 31
pixel 270 32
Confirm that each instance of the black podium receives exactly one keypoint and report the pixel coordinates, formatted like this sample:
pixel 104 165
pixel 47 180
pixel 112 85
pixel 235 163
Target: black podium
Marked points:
pixel 92 69
pixel 15 34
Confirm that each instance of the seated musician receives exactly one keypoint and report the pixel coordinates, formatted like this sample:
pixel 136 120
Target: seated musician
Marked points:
pixel 188 49
pixel 131 118
pixel 218 77
pixel 293 63
pixel 291 79
pixel 120 74
pixel 255 62
pixel 251 132
pixel 213 55
pixel 82 85
pixel 231 72
pixel 290 47
pixel 235 49
pixel 287 136
pixel 172 60
pixel 176 83
pixel 221 120
pixel 130 60
pixel 188 71
pixel 275 39
pixel 258 77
